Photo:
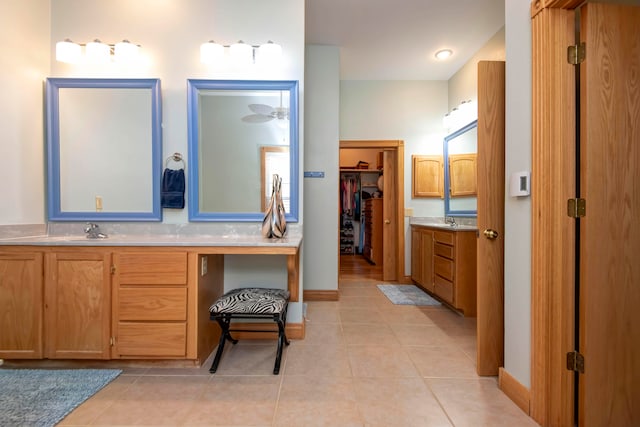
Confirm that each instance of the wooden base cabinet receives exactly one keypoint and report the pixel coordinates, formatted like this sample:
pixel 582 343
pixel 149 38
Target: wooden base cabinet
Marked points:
pixel 445 263
pixel 21 301
pixel 150 296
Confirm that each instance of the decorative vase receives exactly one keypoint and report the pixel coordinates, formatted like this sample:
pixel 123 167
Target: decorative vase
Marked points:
pixel 274 223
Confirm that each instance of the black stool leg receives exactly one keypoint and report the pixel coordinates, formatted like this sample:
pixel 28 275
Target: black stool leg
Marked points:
pixel 282 339
pixel 224 322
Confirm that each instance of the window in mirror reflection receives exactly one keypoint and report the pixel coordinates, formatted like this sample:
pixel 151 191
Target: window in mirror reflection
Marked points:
pixel 241 133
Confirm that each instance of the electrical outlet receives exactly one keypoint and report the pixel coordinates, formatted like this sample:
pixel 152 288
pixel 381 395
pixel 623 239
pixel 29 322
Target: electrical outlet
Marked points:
pixel 203 269
pixel 98 203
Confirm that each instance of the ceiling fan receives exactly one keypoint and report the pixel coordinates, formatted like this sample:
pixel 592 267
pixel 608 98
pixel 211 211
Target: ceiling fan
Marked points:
pixel 264 113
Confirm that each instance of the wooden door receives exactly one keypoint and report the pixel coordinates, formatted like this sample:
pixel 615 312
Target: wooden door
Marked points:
pixel 490 248
pixel 609 325
pixel 78 305
pixel 389 216
pixel 21 302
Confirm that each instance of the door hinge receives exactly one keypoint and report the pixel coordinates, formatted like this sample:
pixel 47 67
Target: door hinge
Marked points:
pixel 575 362
pixel 113 269
pixel 576 54
pixel 576 208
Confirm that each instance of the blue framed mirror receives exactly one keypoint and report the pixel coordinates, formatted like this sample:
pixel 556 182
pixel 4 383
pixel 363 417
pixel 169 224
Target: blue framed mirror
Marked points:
pixel 104 149
pixel 460 172
pixel 241 132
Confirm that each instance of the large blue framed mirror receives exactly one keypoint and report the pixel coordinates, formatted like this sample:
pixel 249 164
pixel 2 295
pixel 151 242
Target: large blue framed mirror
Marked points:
pixel 104 149
pixel 460 172
pixel 241 132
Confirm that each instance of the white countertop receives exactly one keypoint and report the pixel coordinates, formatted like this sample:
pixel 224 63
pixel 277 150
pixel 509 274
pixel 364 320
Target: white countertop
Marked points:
pixel 430 223
pixel 292 241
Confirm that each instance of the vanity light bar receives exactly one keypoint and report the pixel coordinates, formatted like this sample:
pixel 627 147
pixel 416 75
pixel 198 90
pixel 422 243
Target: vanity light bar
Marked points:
pixel 96 52
pixel 241 53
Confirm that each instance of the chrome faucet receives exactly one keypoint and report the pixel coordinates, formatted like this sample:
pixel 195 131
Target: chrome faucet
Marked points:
pixel 93 231
pixel 450 220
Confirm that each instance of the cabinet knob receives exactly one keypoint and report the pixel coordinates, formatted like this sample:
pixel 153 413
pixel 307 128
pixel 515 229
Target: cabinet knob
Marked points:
pixel 490 234
pixel 386 221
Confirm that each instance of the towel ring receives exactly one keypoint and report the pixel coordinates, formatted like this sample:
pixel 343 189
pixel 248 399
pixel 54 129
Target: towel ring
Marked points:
pixel 176 157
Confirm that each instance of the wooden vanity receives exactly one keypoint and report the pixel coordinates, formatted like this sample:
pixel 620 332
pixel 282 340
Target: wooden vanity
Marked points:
pixel 443 262
pixel 121 300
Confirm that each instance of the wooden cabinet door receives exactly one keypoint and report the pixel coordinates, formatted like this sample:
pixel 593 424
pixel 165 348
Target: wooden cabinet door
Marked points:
pixel 416 256
pixel 427 259
pixel 21 299
pixel 78 305
pixel 428 176
pixel 463 175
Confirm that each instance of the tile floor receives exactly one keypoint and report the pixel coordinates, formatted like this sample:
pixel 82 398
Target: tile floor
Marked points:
pixel 364 362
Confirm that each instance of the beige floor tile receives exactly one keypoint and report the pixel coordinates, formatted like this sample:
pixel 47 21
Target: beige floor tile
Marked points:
pixel 347 302
pixel 322 334
pixel 424 335
pixel 406 314
pixel 361 315
pixel 367 334
pixel 236 401
pixel 154 400
pixel 450 362
pixel 318 361
pixel 478 403
pixel 321 312
pixel 380 361
pixel 398 402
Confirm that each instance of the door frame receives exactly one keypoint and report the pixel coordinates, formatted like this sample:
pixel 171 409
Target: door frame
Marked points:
pixel 553 257
pixel 398 147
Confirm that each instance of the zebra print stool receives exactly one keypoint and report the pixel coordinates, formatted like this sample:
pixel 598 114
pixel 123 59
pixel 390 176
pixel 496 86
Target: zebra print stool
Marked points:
pixel 250 303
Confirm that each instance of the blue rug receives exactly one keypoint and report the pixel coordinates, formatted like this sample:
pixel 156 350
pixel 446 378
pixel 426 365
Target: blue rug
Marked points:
pixel 407 295
pixel 43 397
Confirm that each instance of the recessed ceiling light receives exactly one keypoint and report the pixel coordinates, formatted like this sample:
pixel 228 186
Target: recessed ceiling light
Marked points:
pixel 443 54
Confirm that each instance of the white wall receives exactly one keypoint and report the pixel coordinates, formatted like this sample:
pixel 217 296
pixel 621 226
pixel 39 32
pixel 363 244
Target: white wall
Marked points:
pixel 322 148
pixel 24 31
pixel 517 249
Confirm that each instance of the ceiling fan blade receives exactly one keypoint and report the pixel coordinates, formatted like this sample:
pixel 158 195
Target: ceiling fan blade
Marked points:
pixel 256 118
pixel 261 109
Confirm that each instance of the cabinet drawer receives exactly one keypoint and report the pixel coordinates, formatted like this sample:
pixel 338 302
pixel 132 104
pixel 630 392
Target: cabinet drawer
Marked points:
pixel 152 304
pixel 443 237
pixel 152 339
pixel 444 250
pixel 444 289
pixel 443 267
pixel 149 268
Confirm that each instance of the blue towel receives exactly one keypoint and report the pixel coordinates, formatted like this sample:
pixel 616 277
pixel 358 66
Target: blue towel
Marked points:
pixel 172 195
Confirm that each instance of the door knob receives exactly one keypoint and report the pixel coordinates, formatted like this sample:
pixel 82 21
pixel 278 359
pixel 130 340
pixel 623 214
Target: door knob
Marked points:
pixel 490 234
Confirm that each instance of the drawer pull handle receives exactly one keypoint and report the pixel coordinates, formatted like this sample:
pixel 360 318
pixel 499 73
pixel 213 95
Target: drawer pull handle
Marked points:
pixel 490 234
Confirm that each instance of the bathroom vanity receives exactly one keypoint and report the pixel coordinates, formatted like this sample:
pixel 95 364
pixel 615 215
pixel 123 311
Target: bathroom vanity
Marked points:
pixel 443 262
pixel 144 297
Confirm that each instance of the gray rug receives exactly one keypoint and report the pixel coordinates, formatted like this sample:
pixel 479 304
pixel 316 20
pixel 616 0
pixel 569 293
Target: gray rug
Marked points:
pixel 42 397
pixel 407 295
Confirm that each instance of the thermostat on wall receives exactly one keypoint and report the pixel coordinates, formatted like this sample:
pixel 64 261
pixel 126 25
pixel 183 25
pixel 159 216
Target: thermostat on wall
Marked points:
pixel 520 184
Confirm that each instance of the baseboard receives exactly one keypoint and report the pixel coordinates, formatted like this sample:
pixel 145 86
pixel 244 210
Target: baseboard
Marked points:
pixel 514 390
pixel 329 295
pixel 294 331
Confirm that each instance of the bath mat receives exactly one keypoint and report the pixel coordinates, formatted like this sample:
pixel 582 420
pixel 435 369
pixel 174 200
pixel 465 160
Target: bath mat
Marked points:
pixel 43 397
pixel 407 295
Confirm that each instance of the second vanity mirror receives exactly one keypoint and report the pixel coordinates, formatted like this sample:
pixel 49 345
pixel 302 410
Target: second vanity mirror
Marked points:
pixel 240 133
pixel 460 172
pixel 104 148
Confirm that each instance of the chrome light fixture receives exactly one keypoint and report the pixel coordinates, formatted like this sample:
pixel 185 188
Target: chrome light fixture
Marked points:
pixel 241 54
pixel 96 52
